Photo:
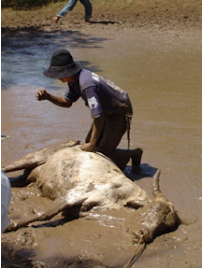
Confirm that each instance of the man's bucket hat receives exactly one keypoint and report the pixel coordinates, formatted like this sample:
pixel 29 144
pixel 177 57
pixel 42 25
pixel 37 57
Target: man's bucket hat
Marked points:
pixel 62 65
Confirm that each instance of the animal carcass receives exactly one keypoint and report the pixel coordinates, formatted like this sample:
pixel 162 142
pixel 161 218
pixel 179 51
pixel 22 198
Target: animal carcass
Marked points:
pixel 93 183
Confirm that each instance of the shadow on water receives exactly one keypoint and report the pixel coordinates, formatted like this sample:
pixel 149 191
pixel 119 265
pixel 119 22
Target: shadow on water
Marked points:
pixel 23 256
pixel 26 53
pixel 145 170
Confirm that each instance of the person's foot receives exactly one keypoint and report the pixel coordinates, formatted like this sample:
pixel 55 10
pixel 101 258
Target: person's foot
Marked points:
pixel 136 159
pixel 56 19
pixel 87 20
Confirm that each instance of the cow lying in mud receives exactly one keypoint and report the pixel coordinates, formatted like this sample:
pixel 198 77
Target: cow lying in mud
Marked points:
pixel 91 182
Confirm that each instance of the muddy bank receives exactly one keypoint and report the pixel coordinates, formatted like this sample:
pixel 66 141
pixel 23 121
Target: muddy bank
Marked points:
pixel 169 15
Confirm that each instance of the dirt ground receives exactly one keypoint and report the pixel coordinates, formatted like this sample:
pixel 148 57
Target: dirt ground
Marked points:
pixel 172 14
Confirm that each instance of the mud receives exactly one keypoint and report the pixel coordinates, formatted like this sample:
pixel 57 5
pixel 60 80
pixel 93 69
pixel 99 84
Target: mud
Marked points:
pixel 153 51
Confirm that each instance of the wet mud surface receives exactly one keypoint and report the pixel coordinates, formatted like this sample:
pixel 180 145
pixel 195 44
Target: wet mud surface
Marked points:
pixel 154 52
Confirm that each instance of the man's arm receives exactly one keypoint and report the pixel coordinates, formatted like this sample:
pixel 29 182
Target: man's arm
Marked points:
pixel 96 131
pixel 59 101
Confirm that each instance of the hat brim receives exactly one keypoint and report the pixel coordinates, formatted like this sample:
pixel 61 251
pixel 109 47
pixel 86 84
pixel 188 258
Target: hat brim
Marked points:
pixel 53 72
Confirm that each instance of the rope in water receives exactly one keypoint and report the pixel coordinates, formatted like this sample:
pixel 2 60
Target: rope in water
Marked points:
pixel 136 255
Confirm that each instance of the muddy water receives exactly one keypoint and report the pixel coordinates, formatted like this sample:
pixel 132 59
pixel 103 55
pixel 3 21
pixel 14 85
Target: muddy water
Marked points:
pixel 162 74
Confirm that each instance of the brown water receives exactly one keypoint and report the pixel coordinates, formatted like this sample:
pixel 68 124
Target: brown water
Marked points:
pixel 162 74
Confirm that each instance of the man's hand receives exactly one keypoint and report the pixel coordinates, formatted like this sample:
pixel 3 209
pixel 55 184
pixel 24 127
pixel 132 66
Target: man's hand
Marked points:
pixel 41 95
pixel 88 147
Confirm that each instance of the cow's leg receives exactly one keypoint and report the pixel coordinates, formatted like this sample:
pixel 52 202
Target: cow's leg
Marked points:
pixel 58 206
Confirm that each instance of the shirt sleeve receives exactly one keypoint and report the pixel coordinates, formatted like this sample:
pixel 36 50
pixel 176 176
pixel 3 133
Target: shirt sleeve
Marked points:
pixel 93 101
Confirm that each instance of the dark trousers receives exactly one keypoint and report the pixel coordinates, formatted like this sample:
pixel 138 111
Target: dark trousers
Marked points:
pixel 114 128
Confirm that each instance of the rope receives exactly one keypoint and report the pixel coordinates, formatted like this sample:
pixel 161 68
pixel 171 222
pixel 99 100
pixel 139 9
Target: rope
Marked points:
pixel 128 120
pixel 136 255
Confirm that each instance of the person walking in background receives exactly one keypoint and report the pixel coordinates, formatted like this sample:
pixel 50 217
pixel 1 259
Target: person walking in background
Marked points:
pixel 70 5
pixel 109 105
